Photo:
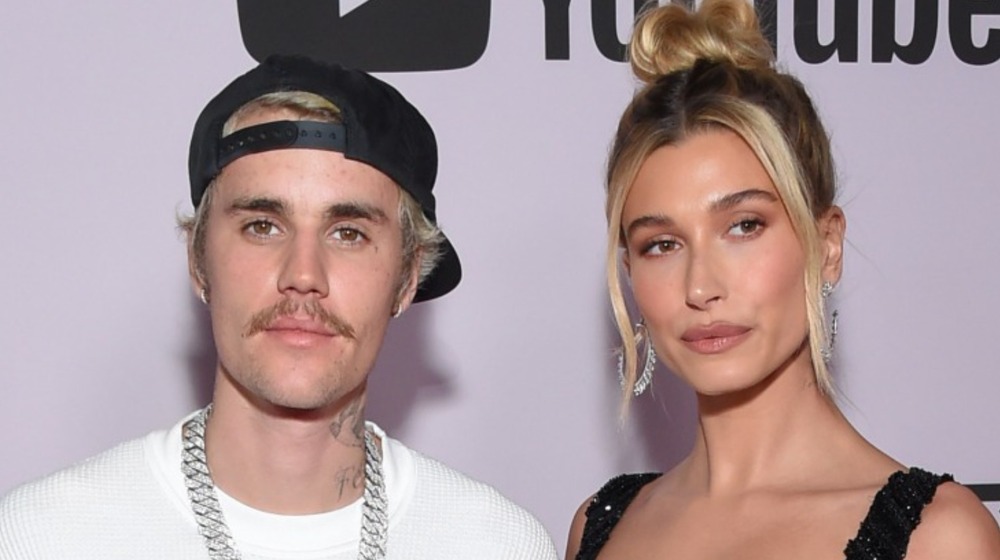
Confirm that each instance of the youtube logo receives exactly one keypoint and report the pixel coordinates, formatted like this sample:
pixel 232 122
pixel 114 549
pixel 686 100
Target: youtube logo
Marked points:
pixel 371 35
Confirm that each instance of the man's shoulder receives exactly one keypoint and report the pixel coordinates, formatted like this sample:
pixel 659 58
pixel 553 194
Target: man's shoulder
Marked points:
pixel 486 519
pixel 90 478
pixel 447 484
pixel 41 514
pixel 100 507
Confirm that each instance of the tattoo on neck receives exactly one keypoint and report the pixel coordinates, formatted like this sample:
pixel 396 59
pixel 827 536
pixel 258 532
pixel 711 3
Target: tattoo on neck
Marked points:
pixel 349 425
pixel 349 477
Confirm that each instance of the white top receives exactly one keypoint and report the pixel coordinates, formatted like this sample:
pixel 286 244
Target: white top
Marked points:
pixel 130 502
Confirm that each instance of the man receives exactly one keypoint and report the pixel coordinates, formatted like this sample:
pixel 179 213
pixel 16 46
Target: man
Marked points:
pixel 314 226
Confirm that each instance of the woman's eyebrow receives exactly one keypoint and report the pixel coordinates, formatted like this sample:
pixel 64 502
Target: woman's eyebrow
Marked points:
pixel 732 200
pixel 649 220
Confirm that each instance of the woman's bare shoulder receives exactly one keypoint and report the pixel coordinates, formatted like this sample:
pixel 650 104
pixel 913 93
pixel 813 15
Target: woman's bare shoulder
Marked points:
pixel 955 525
pixel 576 529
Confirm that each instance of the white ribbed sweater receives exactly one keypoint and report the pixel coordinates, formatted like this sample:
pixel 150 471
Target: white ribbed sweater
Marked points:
pixel 130 503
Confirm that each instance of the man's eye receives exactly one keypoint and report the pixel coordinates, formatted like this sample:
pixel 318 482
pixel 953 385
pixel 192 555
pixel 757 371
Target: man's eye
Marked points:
pixel 262 228
pixel 348 235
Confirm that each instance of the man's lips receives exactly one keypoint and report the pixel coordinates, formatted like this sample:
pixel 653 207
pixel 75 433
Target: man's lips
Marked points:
pixel 293 325
pixel 714 338
pixel 303 319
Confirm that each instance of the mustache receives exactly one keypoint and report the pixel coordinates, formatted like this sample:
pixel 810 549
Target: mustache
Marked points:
pixel 262 320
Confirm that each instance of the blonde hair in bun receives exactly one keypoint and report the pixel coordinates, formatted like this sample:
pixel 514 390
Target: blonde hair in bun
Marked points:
pixel 712 69
pixel 670 38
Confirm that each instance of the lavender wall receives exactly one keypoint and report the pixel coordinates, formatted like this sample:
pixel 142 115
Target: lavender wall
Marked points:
pixel 510 377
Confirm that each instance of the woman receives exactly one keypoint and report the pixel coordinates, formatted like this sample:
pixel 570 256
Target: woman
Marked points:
pixel 720 207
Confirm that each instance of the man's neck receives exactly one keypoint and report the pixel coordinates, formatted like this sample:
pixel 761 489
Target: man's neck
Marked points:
pixel 287 461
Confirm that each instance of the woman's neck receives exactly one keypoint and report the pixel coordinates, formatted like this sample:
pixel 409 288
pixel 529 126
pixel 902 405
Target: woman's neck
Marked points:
pixel 781 433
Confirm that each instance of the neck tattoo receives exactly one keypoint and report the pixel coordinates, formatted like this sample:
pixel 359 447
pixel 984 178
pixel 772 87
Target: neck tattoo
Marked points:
pixel 208 513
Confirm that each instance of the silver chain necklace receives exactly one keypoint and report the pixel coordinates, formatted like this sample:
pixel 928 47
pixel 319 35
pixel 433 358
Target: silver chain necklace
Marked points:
pixel 208 514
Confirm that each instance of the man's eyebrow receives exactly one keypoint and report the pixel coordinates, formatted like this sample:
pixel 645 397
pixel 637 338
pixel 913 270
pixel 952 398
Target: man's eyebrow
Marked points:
pixel 256 204
pixel 356 211
pixel 339 210
pixel 732 200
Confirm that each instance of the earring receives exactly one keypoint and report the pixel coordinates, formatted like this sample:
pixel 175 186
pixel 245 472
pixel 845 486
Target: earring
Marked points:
pixel 826 289
pixel 827 352
pixel 397 310
pixel 204 296
pixel 646 377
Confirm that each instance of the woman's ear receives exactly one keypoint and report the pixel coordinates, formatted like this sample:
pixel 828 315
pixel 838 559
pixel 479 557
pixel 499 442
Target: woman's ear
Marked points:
pixel 832 226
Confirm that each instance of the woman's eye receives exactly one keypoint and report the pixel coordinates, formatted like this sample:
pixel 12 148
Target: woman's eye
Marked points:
pixel 660 247
pixel 743 228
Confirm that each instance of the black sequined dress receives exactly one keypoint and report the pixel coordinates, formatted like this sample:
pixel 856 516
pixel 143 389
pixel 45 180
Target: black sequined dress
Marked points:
pixel 884 533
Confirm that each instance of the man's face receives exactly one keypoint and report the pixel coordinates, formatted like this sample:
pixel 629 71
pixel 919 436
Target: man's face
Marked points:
pixel 303 256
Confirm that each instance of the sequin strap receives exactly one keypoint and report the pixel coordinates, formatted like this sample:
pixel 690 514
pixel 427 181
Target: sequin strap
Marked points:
pixel 607 508
pixel 894 514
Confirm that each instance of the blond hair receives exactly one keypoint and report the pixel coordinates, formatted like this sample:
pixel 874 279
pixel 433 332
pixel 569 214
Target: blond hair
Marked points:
pixel 708 69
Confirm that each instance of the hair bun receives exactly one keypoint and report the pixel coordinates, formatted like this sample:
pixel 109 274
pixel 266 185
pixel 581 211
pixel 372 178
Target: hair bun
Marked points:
pixel 670 38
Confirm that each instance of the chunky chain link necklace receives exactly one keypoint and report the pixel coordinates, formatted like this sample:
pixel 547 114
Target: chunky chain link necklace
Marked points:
pixel 208 514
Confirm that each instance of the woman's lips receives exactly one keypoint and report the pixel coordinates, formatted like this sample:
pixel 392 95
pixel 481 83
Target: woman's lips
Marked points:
pixel 714 338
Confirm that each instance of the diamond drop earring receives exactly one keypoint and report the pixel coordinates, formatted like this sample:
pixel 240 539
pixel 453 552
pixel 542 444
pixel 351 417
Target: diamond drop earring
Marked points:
pixel 646 377
pixel 827 352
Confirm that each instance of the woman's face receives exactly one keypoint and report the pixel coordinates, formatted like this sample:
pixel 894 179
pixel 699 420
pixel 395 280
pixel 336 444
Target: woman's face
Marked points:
pixel 717 270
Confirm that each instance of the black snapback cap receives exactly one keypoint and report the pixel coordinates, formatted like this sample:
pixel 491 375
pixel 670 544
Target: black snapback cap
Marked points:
pixel 380 128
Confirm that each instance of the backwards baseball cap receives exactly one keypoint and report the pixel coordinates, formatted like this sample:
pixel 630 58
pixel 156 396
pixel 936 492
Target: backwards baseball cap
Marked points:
pixel 379 128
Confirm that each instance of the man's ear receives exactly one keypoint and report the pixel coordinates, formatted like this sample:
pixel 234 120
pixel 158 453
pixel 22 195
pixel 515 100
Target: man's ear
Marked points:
pixel 832 227
pixel 409 290
pixel 195 272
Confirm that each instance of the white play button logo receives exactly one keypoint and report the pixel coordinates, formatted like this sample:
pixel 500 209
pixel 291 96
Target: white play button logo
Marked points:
pixel 348 6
